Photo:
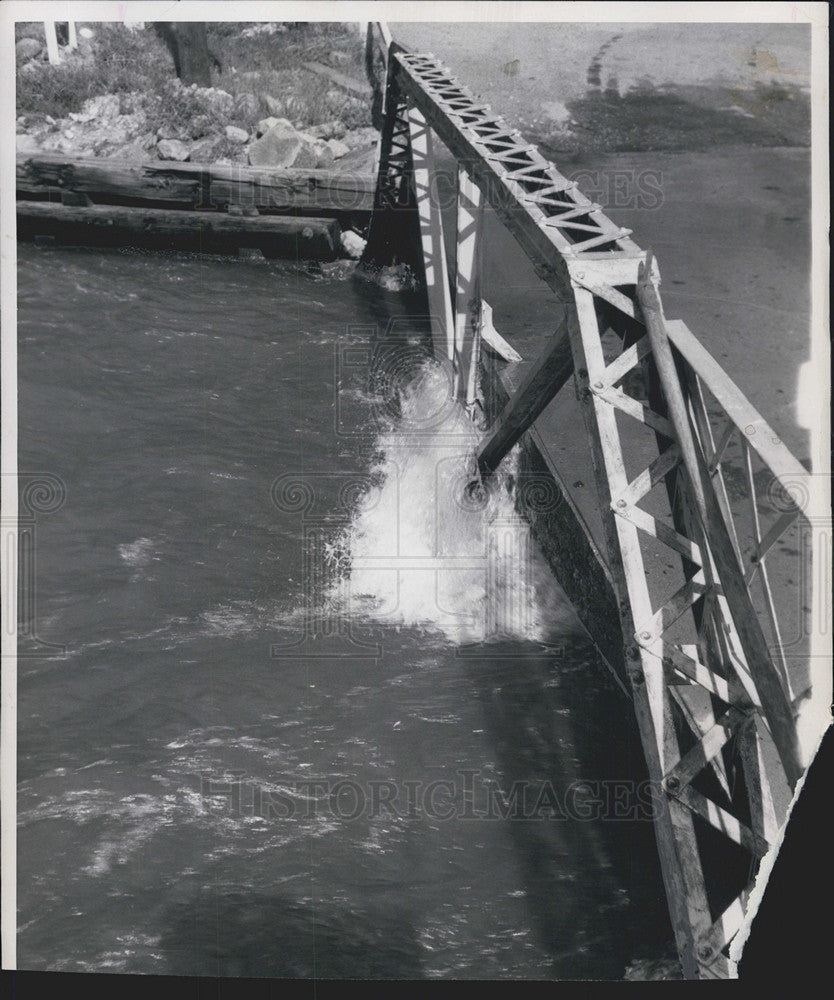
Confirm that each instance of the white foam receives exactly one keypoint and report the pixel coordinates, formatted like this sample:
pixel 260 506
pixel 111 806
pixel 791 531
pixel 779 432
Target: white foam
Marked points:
pixel 417 553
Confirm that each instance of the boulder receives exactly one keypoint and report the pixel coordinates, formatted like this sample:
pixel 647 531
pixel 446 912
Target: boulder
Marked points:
pixel 324 156
pixel 172 149
pixel 328 130
pixel 338 148
pixel 282 146
pixel 352 244
pixel 27 48
pixel 277 148
pixel 204 150
pixel 265 124
pixel 235 134
pixel 306 157
pixel 27 144
pixel 106 106
pixel 358 161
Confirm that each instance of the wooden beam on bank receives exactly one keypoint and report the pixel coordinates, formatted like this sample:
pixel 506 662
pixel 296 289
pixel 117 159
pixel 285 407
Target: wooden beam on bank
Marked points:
pixel 209 232
pixel 201 185
pixel 357 87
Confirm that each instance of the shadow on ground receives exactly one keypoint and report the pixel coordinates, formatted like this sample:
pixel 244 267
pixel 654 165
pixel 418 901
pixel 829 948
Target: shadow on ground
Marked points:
pixel 682 119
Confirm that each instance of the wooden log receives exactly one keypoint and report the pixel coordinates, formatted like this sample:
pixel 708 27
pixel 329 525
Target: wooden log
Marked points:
pixel 358 87
pixel 210 232
pixel 539 386
pixel 199 184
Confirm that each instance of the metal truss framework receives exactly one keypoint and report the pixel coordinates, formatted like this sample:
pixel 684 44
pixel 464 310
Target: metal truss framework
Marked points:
pixel 715 713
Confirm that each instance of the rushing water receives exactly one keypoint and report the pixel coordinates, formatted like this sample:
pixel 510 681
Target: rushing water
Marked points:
pixel 284 676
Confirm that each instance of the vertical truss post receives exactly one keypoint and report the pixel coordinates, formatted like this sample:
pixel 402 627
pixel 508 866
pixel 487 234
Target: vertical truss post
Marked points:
pixel 468 289
pixel 677 847
pixel 393 236
pixel 431 238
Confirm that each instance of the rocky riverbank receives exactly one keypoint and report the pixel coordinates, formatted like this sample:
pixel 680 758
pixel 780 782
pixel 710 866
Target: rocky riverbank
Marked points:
pixel 284 117
pixel 121 126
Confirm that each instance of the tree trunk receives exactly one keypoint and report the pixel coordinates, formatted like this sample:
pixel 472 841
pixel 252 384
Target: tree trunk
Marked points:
pixel 187 43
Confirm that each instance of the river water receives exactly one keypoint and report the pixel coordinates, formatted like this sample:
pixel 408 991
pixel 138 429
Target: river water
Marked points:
pixel 291 708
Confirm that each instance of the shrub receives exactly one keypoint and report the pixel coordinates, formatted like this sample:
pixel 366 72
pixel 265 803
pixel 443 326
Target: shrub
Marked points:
pixel 118 61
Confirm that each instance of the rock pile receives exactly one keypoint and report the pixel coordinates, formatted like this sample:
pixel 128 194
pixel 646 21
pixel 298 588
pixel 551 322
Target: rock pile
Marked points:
pixel 120 127
pixel 280 144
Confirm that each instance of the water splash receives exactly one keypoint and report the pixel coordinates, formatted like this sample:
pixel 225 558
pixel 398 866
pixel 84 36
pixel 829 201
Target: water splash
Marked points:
pixel 419 552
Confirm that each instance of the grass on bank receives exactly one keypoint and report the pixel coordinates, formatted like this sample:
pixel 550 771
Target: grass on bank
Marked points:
pixel 254 65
